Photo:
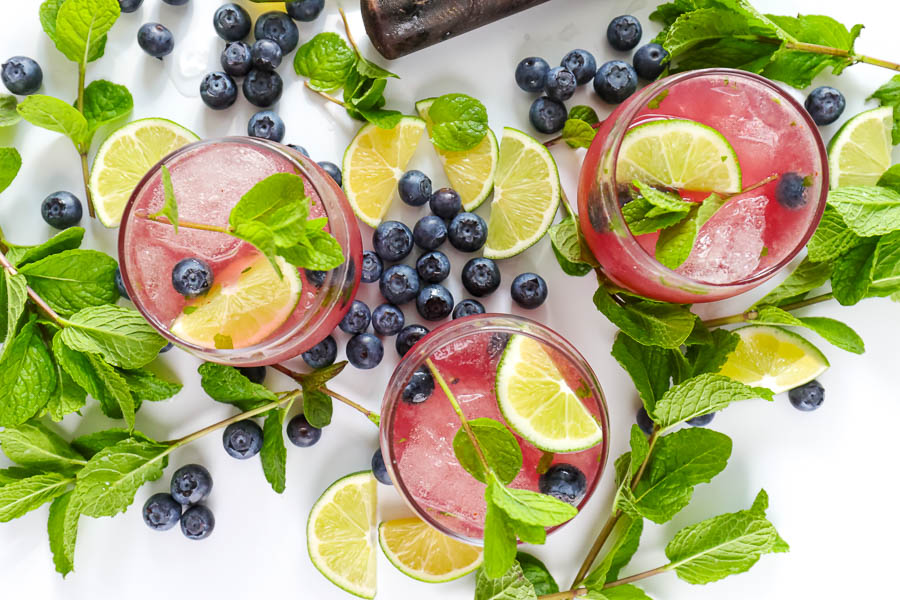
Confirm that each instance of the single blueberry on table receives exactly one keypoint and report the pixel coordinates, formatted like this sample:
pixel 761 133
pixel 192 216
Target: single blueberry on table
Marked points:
pixel 702 420
pixel 387 319
pixel 278 27
pixel 357 318
pixel 529 290
pixel 242 439
pixel 582 64
pixel 560 84
pixel 430 232
pixel 316 278
pixel 624 32
pixel 433 267
pixel 192 277
pixel 445 203
pixel 392 241
pixel 564 482
pixel 790 191
pixel 254 374
pixel 434 302
pixel 364 351
pixel 197 522
pixel 22 75
pixel 481 276
pixel 825 105
pixel 644 421
pixel 547 115
pixel 648 61
pixel 161 512
pixel 265 54
pixel 166 348
pixel 129 6
pixel 299 149
pixel 333 171
pixel 155 39
pixel 304 10
pixel 218 90
pixel 419 387
pixel 399 284
pixel 301 433
pixel 414 188
pixel 467 232
pixel 408 337
pixel 371 267
pixel 322 354
pixel 176 2
pixel 236 60
pixel 61 210
pixel 120 285
pixel 231 22
pixel 266 124
pixel 808 396
pixel 467 307
pixel 615 81
pixel 379 470
pixel 191 484
pixel 262 88
pixel 531 72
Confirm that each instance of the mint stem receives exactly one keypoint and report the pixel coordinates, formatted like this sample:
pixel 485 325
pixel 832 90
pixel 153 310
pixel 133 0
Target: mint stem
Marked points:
pixel 859 58
pixel 82 151
pixel 298 377
pixel 4 262
pixel 347 31
pixel 756 185
pixel 324 95
pixel 636 577
pixel 752 314
pixel 573 593
pixel 185 224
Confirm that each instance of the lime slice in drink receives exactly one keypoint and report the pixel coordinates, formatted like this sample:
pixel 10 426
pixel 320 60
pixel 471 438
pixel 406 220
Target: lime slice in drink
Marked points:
pixel 125 157
pixel 537 402
pixel 245 305
pixel 861 150
pixel 526 195
pixel 774 358
pixel 681 154
pixel 424 553
pixel 471 172
pixel 339 534
pixel 373 164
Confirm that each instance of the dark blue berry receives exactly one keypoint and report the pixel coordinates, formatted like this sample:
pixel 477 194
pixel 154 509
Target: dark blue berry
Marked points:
pixel 379 470
pixel 316 278
pixel 371 267
pixel 266 124
pixel 496 344
pixel 615 81
pixel 22 75
pixel 445 203
pixel 301 433
pixel 644 421
pixel 299 149
pixel 265 54
pixel 392 241
pixel 414 188
pixel 129 6
pixel 481 276
pixel 192 277
pixel 322 354
pixel 808 396
pixel 399 284
pixel 531 72
pixel 191 484
pixel 430 232
pixel 433 267
pixel 197 522
pixel 357 318
pixel 408 337
pixel 547 115
pixel 278 27
pixel 155 39
pixel 254 374
pixel 581 63
pixel 419 387
pixel 333 171
pixel 365 351
pixel 166 348
pixel 467 232
pixel 304 10
pixel 560 84
pixel 825 104
pixel 434 302
pixel 529 290
pixel 387 319
pixel 624 32
pixel 242 439
pixel 648 61
pixel 702 420
pixel 791 190
pixel 61 210
pixel 176 2
pixel 218 90
pixel 120 285
pixel 161 512
pixel 467 307
pixel 564 482
pixel 262 88
pixel 231 22
pixel 236 60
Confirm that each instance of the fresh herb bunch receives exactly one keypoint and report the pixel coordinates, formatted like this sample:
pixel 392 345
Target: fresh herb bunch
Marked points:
pixel 889 95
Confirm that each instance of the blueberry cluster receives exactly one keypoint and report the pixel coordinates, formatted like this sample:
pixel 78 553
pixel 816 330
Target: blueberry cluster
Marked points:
pixel 190 485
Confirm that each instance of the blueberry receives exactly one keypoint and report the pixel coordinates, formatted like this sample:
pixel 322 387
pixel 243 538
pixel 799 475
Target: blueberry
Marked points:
pixel 387 319
pixel 825 104
pixel 299 149
pixel 265 54
pixel 529 290
pixel 414 188
pixel 266 124
pixel 176 2
pixel 564 482
pixel 434 302
pixel 648 61
pixel 531 72
pixel 322 354
pixel 192 277
pixel 357 318
pixel 236 60
pixel 304 10
pixel 496 344
pixel 392 241
pixel 371 267
pixel 399 284
pixel 166 348
pixel 262 88
pixel 333 171
pixel 364 351
pixel 254 374
pixel 218 90
pixel 161 512
pixel 408 337
pixel 242 439
pixel 560 84
pixel 197 522
pixel 467 232
pixel 808 396
pixel 316 278
pixel 467 307
pixel 155 39
pixel 430 232
pixel 624 32
pixel 445 203
pixel 481 276
pixel 22 75
pixel 301 433
pixel 702 420
pixel 278 27
pixel 433 267
pixel 644 421
pixel 231 22
pixel 791 191
pixel 547 115
pixel 191 484
pixel 615 81
pixel 419 387
pixel 61 210
pixel 379 470
pixel 120 285
pixel 129 6
pixel 581 63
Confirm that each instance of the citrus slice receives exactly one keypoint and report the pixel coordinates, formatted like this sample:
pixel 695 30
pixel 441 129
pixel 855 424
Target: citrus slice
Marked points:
pixel 125 157
pixel 339 534
pixel 424 553
pixel 681 154
pixel 471 172
pixel 774 358
pixel 373 164
pixel 246 304
pixel 537 402
pixel 861 150
pixel 526 195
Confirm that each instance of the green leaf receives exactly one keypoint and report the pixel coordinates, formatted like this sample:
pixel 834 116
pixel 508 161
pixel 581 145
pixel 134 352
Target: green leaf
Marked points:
pixel 832 237
pixel 227 384
pixel 273 454
pixel 805 278
pixel 67 239
pixel 675 243
pixel 326 60
pixel 24 495
pixel 584 113
pixel 709 358
pixel 886 266
pixel 620 592
pixel 537 573
pixel 316 379
pixel 147 386
pixel 889 95
pixel 834 331
pixel 626 536
pixel 640 448
pixel 10 163
pixel 68 397
pixel 891 177
pixel 867 210
pixel 648 367
pixel 798 67
pixel 13 295
pixel 647 322
pixel 499 540
pixel 27 377
pixel 530 507
pixel 367 68
pixel 577 133
pixel 92 443
pixel 701 395
pixel 459 122
pixel 11 474
pixel 8 114
pixel 62 528
pixel 54 114
pixel 81 27
pixel 48 12
pixel 571 252
pixel 73 279
pixel 381 118
pixel 105 102
pixel 170 204
pixel 33 445
pixel 364 92
pixel 501 451
pixel 318 251
pixel 852 273
pixel 317 408
pixel 510 584
pixel 652 209
pixel 120 335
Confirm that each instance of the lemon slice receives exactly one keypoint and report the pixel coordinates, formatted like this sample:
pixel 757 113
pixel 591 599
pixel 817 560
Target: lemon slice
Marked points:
pixel 245 305
pixel 774 358
pixel 681 154
pixel 424 553
pixel 861 150
pixel 537 402
pixel 339 534
pixel 373 164
pixel 526 195
pixel 471 172
pixel 125 157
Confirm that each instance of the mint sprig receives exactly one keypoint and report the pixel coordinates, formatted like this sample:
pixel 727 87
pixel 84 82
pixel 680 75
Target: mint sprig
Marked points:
pixel 459 122
pixel 889 95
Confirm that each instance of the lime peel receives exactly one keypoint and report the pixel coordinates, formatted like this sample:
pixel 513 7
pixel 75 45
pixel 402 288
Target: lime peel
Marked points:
pixel 424 553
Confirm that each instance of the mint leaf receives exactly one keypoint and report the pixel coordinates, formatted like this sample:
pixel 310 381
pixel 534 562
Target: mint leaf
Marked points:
pixel 10 163
pixel 33 445
pixel 648 367
pixel 318 251
pixel 147 386
pixel 675 243
pixel 642 216
pixel 92 443
pixel 367 68
pixel 27 377
pixel 832 237
pixel 81 27
pixel 700 395
pixel 8 114
pixel 273 454
pixel 24 495
pixel 105 102
pixel 74 279
pixel 626 536
pixel 889 95
pixel 170 204
pixel 530 507
pixel 584 113
pixel 867 210
pixel 120 335
pixel 577 133
pixel 640 448
pixel 891 177
pixel 799 67
pixel 326 60
pixel 834 331
pixel 364 92
pixel 48 12
pixel 227 384
pixel 886 266
pixel 98 379
pixel 459 122
pixel 509 584
pixel 67 239
pixel 501 451
pixel 537 573
pixel 852 273
pixel 317 408
pixel 13 295
pixel 68 397
pixel 805 278
pixel 571 252
pixel 648 322
pixel 54 114
pixel 709 357
pixel 62 528
pixel 381 118
pixel 316 379
pixel 499 540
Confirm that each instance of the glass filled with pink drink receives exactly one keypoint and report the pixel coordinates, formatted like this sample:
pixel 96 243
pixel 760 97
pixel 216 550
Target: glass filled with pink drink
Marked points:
pixel 209 178
pixel 417 436
pixel 757 230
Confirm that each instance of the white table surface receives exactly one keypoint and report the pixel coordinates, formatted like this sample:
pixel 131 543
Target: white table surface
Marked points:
pixel 831 474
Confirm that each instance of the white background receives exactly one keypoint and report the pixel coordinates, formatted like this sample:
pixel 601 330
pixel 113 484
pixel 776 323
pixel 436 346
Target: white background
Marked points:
pixel 831 475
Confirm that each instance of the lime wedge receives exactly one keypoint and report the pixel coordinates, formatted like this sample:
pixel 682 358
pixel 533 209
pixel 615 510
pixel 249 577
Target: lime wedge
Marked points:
pixel 424 553
pixel 339 534
pixel 245 305
pixel 537 402
pixel 471 173
pixel 125 157
pixel 774 358
pixel 526 195
pixel 680 154
pixel 861 150
pixel 373 164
